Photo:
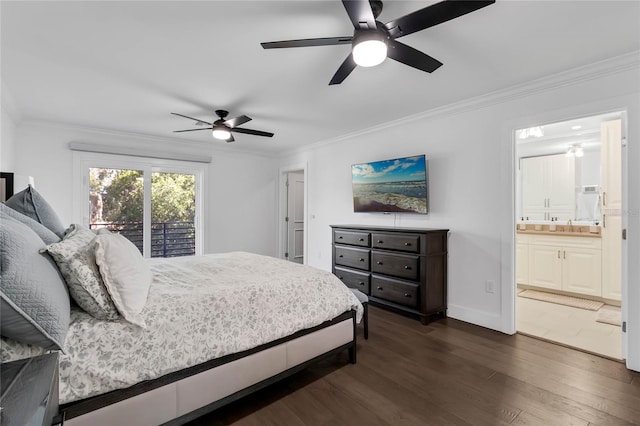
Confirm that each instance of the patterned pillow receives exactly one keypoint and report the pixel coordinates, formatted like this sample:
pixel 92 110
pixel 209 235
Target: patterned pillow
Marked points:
pixel 30 203
pixel 34 303
pixel 77 263
pixel 125 274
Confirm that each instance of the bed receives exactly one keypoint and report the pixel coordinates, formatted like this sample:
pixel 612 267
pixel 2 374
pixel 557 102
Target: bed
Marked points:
pixel 212 329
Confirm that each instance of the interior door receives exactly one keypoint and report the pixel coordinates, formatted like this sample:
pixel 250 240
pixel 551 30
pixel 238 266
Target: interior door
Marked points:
pixel 295 217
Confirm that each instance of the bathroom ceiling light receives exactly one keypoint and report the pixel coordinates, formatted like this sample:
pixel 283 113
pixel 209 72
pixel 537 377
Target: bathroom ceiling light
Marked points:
pixel 575 150
pixel 535 132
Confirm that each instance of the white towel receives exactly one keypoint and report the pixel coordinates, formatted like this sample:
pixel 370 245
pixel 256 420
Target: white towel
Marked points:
pixel 588 206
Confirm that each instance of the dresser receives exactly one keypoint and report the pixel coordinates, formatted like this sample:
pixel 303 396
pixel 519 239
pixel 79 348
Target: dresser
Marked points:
pixel 401 269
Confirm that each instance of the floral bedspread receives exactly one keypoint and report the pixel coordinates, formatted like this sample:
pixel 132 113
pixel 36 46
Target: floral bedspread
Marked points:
pixel 198 308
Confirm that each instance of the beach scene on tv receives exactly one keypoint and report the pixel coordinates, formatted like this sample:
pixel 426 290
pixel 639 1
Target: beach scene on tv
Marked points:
pixel 398 185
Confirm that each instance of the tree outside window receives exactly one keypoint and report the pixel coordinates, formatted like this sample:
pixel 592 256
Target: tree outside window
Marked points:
pixel 117 203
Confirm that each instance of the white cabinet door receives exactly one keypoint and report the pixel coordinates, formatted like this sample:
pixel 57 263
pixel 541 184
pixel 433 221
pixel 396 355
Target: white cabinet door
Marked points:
pixel 534 185
pixel 545 266
pixel 611 179
pixel 582 271
pixel 548 187
pixel 562 188
pixel 522 263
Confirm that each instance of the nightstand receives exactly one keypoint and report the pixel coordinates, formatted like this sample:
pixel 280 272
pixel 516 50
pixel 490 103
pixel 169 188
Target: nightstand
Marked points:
pixel 29 391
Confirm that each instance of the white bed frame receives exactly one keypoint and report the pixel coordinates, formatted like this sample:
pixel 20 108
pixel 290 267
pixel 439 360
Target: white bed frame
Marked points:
pixel 187 394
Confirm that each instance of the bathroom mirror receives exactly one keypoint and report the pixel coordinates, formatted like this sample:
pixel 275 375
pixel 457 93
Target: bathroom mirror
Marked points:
pixel 559 171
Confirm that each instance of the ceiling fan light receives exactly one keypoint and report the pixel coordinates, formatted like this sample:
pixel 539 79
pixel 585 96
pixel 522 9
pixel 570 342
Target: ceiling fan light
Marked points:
pixel 221 133
pixel 369 49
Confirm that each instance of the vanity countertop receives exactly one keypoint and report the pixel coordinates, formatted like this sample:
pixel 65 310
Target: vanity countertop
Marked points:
pixel 561 230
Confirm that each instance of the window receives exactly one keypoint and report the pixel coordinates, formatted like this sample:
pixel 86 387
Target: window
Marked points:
pixel 154 203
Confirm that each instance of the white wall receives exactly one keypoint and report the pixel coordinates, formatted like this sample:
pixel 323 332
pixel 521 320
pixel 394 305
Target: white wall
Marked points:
pixel 241 196
pixel 471 183
pixel 7 141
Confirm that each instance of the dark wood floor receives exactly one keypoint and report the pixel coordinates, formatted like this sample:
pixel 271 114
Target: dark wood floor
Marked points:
pixel 446 373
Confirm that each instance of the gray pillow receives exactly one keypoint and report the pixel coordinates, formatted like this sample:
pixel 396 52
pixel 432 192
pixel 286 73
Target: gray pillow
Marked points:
pixel 43 232
pixel 34 300
pixel 30 203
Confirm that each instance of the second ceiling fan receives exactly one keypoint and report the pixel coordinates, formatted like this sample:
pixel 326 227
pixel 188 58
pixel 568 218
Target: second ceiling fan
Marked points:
pixel 373 41
pixel 223 127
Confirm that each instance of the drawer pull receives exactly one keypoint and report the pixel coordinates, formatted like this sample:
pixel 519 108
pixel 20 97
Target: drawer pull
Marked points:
pixel 379 263
pixel 340 255
pixel 361 260
pixel 340 277
pixel 340 237
pixel 361 239
pixel 379 288
pixel 379 241
pixel 407 295
pixel 407 267
pixel 361 283
pixel 407 244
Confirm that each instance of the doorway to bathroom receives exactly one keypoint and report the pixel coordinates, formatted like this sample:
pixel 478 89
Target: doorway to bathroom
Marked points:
pixel 569 233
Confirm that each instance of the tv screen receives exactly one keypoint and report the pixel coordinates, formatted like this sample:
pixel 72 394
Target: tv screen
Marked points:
pixel 390 186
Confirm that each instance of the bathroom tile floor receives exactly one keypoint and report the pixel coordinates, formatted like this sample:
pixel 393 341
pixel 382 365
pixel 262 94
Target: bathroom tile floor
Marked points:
pixel 568 326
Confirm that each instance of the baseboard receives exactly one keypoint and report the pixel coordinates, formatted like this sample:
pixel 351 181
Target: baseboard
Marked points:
pixel 474 316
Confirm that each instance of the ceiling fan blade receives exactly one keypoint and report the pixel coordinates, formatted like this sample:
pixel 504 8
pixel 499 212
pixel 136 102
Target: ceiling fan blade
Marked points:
pixel 192 130
pixel 252 132
pixel 409 56
pixel 237 121
pixel 360 13
pixel 191 118
pixel 433 15
pixel 230 139
pixel 343 72
pixel 326 41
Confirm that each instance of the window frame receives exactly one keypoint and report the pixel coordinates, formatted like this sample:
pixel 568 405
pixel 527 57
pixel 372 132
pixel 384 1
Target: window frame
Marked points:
pixel 83 161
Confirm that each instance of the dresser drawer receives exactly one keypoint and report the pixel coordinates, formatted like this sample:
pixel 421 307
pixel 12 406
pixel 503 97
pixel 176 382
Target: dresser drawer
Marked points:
pixel 353 257
pixel 397 265
pixel 395 291
pixel 353 279
pixel 353 238
pixel 402 242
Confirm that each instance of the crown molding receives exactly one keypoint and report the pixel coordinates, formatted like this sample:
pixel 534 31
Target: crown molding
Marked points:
pixel 201 147
pixel 611 66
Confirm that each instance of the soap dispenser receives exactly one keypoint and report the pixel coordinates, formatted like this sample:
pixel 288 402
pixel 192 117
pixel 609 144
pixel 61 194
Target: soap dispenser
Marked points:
pixel 522 226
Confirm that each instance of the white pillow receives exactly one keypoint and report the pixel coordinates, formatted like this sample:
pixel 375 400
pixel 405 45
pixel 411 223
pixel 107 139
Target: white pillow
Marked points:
pixel 125 274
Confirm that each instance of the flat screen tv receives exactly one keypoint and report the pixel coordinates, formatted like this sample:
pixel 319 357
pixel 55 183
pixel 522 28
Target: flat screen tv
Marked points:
pixel 390 186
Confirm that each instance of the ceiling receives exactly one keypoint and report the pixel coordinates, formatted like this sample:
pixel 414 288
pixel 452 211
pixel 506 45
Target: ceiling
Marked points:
pixel 126 65
pixel 555 138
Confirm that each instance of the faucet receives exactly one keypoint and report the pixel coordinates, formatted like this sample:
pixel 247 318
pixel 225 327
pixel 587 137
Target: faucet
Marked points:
pixel 570 225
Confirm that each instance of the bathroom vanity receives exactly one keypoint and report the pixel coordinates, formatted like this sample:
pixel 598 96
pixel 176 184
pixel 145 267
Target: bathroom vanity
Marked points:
pixel 567 260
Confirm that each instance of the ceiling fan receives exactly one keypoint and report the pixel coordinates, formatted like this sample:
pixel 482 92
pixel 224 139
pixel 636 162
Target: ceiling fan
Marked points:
pixel 373 41
pixel 222 128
